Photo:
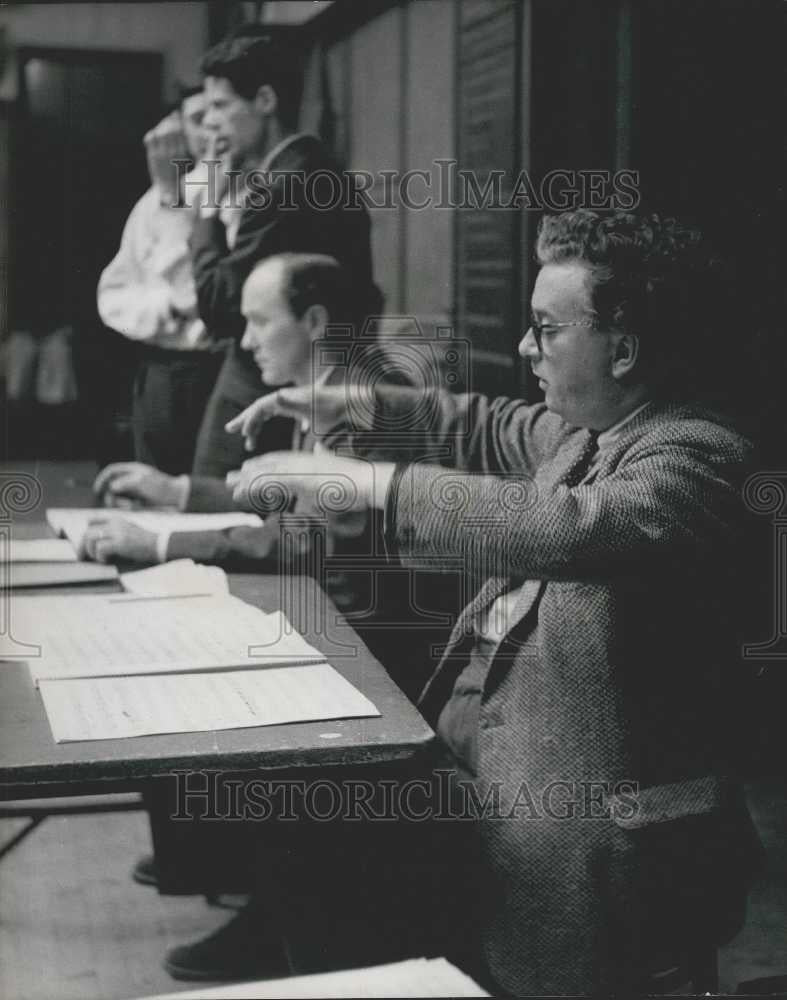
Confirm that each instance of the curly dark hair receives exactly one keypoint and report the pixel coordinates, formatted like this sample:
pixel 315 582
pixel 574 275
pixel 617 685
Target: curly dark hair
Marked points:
pixel 651 276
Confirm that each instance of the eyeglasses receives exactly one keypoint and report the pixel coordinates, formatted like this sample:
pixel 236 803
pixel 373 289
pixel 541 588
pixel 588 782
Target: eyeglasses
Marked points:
pixel 539 329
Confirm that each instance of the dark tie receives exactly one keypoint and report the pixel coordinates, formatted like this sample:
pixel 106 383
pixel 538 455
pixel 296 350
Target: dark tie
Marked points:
pixel 584 468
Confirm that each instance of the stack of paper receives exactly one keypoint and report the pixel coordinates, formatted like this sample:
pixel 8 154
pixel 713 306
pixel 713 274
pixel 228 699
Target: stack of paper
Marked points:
pixel 118 634
pixel 125 665
pixel 58 574
pixel 46 550
pixel 181 576
pixel 72 522
pixel 47 562
pixel 106 708
pixel 415 977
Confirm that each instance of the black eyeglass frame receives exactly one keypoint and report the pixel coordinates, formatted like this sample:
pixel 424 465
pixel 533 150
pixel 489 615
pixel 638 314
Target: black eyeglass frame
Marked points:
pixel 539 328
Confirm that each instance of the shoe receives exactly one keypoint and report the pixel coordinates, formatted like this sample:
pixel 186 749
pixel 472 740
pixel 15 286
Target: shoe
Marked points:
pixel 145 872
pixel 244 948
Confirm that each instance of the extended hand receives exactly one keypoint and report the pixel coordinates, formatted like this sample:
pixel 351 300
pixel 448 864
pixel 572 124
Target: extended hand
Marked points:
pixel 327 483
pixel 113 537
pixel 124 481
pixel 327 408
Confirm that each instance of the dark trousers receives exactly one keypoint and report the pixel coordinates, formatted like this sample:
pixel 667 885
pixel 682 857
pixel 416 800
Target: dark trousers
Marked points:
pixel 171 391
pixel 349 877
pixel 237 386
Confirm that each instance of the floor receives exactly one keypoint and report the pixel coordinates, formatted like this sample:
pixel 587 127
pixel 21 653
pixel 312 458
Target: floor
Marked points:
pixel 73 926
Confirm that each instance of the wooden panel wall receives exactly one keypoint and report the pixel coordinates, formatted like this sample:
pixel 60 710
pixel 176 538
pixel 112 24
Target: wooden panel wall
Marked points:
pixel 489 139
pixel 429 136
pixel 391 84
pixel 375 136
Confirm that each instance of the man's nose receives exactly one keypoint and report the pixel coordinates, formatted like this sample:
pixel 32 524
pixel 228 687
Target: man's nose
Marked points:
pixel 528 348
pixel 246 340
pixel 211 121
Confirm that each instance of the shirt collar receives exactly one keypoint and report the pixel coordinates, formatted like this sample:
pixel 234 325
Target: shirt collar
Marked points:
pixel 326 377
pixel 611 434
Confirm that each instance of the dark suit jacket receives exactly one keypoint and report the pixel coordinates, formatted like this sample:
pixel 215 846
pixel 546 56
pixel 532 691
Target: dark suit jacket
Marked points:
pixel 288 221
pixel 616 671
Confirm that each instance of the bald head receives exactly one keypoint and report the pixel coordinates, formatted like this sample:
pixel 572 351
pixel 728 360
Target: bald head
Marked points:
pixel 287 301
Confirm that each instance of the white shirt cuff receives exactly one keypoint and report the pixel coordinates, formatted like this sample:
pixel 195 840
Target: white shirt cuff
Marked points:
pixel 162 544
pixel 382 474
pixel 183 486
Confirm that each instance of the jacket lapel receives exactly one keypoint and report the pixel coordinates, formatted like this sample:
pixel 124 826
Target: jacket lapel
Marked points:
pixel 441 683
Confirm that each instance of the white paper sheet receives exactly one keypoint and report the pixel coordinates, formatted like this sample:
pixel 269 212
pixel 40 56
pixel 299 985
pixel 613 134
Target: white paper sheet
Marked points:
pixel 72 522
pixel 105 708
pixel 113 635
pixel 41 550
pixel 181 576
pixel 415 977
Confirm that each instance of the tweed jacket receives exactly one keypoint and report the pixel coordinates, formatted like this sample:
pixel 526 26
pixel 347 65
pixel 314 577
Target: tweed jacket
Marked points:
pixel 612 676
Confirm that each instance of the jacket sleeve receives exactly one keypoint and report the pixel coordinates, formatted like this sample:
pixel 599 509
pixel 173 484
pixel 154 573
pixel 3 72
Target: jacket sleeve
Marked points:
pixel 241 548
pixel 207 495
pixel 283 543
pixel 663 503
pixel 465 431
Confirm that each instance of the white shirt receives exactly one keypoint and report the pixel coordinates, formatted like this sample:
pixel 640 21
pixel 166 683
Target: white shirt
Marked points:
pixel 147 292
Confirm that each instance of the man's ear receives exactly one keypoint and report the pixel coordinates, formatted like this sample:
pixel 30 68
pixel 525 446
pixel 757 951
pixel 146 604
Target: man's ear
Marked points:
pixel 265 100
pixel 625 355
pixel 316 319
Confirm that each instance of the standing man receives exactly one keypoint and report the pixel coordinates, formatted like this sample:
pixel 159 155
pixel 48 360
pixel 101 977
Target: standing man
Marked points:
pixel 252 87
pixel 147 294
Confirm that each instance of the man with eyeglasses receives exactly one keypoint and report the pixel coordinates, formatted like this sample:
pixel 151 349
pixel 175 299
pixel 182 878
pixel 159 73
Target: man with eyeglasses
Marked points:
pixel 585 691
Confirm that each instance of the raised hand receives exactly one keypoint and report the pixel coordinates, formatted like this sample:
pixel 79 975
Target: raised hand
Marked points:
pixel 163 145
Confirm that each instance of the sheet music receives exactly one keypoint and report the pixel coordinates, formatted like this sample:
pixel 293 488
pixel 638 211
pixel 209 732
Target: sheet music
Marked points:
pixel 415 977
pixel 41 550
pixel 73 521
pixel 181 576
pixel 108 708
pixel 113 635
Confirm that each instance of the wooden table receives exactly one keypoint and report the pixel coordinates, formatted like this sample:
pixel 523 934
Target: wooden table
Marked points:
pixel 33 765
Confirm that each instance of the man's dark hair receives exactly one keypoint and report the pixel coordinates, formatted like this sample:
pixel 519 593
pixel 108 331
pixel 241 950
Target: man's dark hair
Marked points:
pixel 317 279
pixel 649 276
pixel 253 56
